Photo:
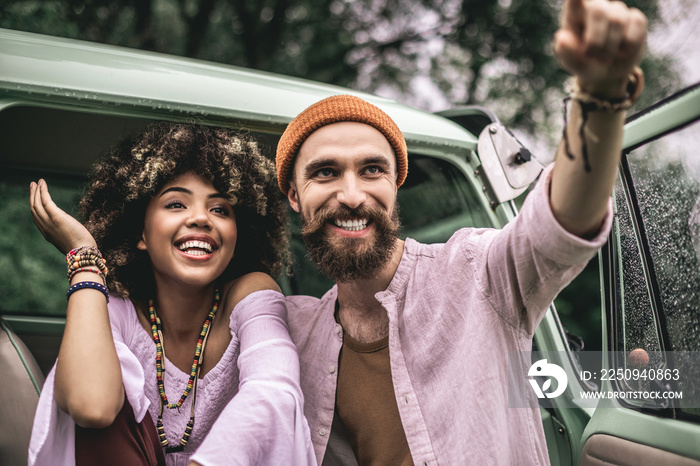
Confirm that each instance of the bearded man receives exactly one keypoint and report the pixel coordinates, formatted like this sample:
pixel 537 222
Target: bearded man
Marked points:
pixel 386 354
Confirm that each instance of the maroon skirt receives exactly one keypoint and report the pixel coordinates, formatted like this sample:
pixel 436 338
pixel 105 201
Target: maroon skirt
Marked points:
pixel 124 442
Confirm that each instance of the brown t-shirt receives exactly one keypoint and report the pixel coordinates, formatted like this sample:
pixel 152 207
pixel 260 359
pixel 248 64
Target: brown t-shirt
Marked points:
pixel 366 404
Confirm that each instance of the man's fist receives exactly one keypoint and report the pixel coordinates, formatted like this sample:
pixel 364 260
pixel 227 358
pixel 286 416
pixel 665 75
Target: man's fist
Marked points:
pixel 600 42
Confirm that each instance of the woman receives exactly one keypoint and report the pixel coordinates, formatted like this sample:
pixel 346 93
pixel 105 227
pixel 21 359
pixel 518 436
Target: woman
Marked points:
pixel 173 319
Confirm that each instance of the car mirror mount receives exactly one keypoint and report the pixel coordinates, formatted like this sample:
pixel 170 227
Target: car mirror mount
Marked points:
pixel 507 167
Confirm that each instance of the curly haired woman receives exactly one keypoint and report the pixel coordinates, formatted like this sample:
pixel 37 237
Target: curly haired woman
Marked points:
pixel 173 319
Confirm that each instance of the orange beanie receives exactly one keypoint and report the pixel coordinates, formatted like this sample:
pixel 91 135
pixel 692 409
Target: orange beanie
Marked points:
pixel 336 109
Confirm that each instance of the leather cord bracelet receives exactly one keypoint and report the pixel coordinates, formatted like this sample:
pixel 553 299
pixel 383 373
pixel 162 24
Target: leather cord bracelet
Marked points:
pixel 590 103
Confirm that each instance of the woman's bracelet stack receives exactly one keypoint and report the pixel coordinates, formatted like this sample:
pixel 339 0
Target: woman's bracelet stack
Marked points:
pixel 87 259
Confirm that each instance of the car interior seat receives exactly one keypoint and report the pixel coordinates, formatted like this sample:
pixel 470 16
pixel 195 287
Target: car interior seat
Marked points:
pixel 20 385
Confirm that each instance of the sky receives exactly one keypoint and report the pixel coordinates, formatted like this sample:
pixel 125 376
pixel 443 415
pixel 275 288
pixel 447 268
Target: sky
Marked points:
pixel 679 36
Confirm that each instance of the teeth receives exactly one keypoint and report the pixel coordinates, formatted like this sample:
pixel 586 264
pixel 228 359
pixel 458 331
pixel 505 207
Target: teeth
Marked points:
pixel 196 248
pixel 196 252
pixel 352 225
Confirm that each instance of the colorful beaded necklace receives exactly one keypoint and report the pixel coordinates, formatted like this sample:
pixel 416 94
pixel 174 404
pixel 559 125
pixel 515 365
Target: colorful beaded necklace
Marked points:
pixel 157 333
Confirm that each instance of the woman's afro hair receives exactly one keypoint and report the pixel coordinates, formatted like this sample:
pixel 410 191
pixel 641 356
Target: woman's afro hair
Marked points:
pixel 130 174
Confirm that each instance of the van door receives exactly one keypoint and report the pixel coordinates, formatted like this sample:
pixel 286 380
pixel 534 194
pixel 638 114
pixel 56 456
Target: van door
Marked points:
pixel 649 409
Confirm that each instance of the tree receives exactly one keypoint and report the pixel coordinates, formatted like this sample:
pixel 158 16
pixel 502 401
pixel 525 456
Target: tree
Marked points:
pixel 490 52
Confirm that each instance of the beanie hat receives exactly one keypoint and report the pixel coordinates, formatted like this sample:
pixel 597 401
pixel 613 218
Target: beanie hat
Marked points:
pixel 336 109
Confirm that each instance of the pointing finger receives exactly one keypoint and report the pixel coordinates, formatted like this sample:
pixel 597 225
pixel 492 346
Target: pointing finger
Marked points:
pixel 573 16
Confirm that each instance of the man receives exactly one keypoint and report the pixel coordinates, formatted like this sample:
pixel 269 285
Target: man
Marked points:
pixel 404 361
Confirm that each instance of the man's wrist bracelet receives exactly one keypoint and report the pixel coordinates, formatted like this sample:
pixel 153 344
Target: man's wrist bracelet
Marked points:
pixel 592 103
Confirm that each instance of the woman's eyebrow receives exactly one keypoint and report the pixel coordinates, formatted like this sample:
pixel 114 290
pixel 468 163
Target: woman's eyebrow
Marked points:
pixel 176 189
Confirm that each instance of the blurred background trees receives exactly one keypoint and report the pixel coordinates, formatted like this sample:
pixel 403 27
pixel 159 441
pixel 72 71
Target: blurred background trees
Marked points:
pixel 429 54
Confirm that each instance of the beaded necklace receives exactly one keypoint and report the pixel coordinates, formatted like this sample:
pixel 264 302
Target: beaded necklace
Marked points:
pixel 157 333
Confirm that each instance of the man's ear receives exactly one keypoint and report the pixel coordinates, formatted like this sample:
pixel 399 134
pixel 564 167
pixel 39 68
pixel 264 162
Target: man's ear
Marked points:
pixel 293 196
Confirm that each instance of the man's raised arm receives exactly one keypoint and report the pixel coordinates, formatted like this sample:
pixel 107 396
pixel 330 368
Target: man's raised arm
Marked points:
pixel 600 43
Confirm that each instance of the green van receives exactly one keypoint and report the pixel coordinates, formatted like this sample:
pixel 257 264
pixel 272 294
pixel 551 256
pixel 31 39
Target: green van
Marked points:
pixel 62 102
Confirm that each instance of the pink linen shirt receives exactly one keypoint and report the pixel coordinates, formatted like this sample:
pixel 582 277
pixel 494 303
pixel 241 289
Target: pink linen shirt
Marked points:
pixel 455 311
pixel 252 396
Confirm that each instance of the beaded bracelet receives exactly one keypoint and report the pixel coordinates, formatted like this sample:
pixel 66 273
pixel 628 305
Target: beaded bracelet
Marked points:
pixel 86 249
pixel 85 256
pixel 71 273
pixel 84 285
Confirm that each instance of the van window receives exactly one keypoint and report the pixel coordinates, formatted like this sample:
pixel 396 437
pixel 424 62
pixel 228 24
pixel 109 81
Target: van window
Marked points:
pixel 659 232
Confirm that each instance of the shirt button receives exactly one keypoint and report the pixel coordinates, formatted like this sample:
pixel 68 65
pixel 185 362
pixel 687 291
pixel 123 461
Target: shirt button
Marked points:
pixel 321 431
pixel 331 369
pixel 337 329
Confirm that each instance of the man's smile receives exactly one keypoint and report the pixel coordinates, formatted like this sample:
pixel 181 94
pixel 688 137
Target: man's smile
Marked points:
pixel 352 225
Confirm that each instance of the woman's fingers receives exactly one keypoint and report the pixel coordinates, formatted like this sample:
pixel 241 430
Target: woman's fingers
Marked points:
pixel 38 192
pixel 58 227
pixel 53 212
pixel 38 212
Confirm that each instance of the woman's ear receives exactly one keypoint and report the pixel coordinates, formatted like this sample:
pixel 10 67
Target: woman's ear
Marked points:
pixel 141 244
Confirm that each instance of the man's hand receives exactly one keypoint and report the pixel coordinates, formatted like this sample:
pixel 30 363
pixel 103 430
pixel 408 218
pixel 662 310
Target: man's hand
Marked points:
pixel 600 42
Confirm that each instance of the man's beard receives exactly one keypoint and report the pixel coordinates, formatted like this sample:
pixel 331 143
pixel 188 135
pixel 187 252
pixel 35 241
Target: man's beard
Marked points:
pixel 346 259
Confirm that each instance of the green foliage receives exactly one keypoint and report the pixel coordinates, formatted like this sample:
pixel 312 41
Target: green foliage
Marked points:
pixel 30 268
pixel 579 307
pixel 490 52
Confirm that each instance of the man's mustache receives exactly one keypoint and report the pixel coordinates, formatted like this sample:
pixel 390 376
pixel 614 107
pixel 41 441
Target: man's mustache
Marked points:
pixel 373 213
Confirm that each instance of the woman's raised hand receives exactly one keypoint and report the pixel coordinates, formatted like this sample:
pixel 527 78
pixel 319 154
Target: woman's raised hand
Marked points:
pixel 57 226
